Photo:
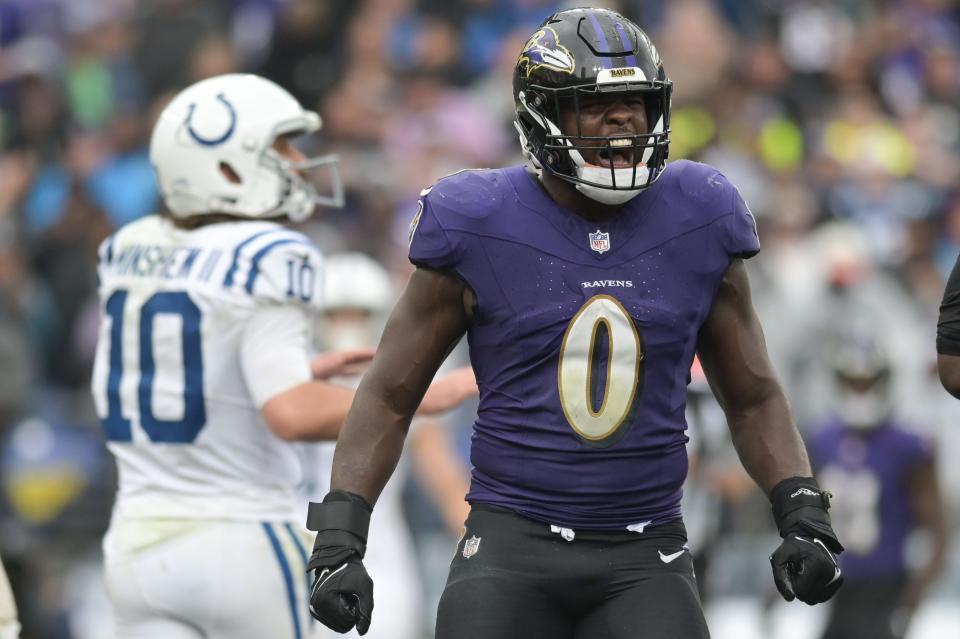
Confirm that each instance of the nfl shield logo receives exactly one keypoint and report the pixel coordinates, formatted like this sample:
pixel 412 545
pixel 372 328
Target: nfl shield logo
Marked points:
pixel 600 242
pixel 471 546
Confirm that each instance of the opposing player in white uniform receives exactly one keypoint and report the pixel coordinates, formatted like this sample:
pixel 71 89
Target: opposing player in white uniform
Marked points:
pixel 202 377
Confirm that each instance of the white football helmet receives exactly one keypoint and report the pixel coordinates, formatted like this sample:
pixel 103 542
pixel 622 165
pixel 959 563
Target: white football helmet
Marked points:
pixel 358 293
pixel 356 281
pixel 229 123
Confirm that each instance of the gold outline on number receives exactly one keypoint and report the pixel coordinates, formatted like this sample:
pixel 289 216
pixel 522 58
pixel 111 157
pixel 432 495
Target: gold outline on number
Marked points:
pixel 636 372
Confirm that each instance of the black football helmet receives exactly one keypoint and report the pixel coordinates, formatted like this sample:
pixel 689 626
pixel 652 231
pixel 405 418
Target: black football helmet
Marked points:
pixel 584 52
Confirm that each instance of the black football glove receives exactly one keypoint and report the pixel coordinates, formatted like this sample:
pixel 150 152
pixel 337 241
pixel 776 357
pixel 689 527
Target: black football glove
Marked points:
pixel 342 595
pixel 805 565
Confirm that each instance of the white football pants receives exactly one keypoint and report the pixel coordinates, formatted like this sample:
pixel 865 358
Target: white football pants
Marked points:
pixel 209 580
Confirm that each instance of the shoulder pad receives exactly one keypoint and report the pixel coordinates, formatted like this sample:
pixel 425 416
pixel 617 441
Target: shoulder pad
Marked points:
pixel 474 193
pixel 703 183
pixel 142 230
pixel 277 265
pixel 716 199
pixel 459 202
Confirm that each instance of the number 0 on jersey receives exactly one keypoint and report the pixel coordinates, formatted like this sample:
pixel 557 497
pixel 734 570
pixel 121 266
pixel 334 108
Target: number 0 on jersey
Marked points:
pixel 601 318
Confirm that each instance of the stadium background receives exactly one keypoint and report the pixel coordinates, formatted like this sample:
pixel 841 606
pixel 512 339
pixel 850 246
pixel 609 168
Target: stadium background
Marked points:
pixel 839 121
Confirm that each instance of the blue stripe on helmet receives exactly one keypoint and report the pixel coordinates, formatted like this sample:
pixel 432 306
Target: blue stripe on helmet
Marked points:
pixel 604 45
pixel 625 41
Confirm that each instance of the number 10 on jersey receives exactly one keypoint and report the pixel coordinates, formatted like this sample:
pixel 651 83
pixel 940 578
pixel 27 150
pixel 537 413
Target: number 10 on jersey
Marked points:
pixel 177 431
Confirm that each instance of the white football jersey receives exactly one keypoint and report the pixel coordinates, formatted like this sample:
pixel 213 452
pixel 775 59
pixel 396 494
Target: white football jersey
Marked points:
pixel 169 382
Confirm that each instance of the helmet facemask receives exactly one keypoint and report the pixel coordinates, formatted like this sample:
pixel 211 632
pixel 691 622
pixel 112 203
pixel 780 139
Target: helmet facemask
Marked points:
pixel 622 165
pixel 298 195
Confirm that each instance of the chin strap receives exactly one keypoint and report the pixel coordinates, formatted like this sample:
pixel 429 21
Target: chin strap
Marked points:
pixel 608 196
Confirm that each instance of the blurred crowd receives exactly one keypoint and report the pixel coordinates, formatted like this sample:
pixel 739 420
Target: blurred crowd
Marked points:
pixel 838 120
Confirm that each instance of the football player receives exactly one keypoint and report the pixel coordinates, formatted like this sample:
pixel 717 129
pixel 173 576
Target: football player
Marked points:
pixel 202 377
pixel 9 626
pixel 586 283
pixel 890 490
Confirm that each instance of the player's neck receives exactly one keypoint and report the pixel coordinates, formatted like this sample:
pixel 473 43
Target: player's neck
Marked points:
pixel 567 196
pixel 198 221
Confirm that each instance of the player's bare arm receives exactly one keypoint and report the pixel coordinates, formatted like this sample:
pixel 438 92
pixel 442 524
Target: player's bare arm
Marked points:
pixel 341 363
pixel 316 410
pixel 274 359
pixel 311 411
pixel 449 391
pixel 426 324
pixel 734 356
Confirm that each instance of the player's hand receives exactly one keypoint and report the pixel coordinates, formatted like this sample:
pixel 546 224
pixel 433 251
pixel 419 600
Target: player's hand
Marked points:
pixel 449 391
pixel 342 597
pixel 805 569
pixel 342 594
pixel 341 363
pixel 805 565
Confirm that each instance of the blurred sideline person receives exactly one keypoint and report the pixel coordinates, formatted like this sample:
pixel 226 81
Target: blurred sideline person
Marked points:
pixel 715 480
pixel 202 377
pixel 9 626
pixel 948 334
pixel 585 282
pixel 884 476
pixel 358 293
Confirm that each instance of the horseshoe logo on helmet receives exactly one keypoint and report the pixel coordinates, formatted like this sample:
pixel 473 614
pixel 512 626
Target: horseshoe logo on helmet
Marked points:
pixel 218 140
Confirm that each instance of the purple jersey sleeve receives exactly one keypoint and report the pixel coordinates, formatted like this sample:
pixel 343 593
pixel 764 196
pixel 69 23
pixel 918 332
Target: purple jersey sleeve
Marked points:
pixel 712 198
pixel 741 237
pixel 430 244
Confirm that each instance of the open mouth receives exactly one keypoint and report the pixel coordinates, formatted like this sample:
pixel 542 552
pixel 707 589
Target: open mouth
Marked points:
pixel 621 154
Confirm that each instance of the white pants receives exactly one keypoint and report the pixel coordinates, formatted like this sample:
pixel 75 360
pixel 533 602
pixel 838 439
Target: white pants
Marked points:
pixel 9 627
pixel 170 579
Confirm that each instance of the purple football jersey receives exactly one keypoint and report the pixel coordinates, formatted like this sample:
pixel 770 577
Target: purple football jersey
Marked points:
pixel 867 473
pixel 584 335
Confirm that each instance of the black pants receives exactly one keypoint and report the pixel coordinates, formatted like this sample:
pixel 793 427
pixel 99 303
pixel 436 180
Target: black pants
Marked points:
pixel 512 578
pixel 862 609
